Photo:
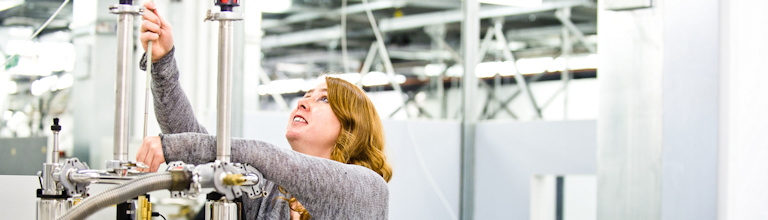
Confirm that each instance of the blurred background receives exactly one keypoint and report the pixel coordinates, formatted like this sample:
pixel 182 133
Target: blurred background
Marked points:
pixel 576 109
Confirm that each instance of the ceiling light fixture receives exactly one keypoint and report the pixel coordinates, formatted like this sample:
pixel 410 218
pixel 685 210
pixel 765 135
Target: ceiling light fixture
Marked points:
pixel 5 5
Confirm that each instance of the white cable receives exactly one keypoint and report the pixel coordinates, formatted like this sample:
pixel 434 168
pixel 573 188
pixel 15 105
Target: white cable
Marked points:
pixel 344 53
pixel 423 165
pixel 56 13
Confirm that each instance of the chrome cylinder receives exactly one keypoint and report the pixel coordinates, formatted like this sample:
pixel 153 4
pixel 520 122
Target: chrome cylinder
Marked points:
pixel 50 209
pixel 224 98
pixel 123 85
pixel 221 210
pixel 55 150
pixel 48 182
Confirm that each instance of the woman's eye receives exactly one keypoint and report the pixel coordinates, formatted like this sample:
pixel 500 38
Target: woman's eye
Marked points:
pixel 323 99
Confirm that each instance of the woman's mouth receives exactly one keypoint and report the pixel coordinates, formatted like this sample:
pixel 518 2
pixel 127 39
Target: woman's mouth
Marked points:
pixel 299 119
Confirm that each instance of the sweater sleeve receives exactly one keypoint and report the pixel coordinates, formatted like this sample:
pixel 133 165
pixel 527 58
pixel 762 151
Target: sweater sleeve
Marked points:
pixel 327 189
pixel 172 108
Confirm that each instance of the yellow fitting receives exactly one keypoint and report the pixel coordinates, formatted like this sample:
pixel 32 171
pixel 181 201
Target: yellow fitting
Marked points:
pixel 234 179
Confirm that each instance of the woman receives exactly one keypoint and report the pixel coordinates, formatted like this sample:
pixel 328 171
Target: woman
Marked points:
pixel 337 170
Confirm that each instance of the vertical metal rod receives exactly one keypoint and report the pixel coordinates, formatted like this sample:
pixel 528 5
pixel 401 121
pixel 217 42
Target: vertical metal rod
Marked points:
pixel 224 95
pixel 565 75
pixel 470 40
pixel 123 85
pixel 147 88
pixel 559 186
pixel 55 150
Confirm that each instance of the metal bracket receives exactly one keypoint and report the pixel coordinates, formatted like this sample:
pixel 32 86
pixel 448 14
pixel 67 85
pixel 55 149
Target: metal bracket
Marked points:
pixel 73 188
pixel 223 16
pixel 121 8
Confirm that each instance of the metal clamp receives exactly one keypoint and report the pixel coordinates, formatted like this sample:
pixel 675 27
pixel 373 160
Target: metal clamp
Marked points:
pixel 71 166
pixel 194 187
pixel 223 16
pixel 122 8
pixel 254 187
pixel 213 175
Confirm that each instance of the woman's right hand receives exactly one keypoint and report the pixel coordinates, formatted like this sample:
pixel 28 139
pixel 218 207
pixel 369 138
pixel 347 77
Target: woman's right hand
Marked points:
pixel 155 28
pixel 151 154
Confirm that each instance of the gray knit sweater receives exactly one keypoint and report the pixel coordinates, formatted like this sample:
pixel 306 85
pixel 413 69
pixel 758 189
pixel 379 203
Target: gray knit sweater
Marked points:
pixel 326 188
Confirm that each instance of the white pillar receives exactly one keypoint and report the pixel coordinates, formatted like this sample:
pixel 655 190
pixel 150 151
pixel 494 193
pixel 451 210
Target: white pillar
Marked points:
pixel 743 106
pixel 659 115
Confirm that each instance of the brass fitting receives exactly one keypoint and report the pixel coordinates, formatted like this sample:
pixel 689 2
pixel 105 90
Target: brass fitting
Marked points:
pixel 234 179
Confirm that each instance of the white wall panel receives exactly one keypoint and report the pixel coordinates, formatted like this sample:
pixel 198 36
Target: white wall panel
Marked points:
pixel 510 153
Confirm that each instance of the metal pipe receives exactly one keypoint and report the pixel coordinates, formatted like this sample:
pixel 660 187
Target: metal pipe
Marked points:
pixel 224 95
pixel 100 176
pixel 470 38
pixel 123 85
pixel 52 208
pixel 565 75
pixel 55 151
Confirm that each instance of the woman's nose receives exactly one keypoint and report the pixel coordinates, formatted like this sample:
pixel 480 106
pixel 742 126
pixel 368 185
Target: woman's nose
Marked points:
pixel 303 104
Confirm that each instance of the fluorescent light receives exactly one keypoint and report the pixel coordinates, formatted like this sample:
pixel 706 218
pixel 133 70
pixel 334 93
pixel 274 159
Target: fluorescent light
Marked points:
pixel 64 82
pixel 575 62
pixel 22 48
pixel 26 69
pixel 380 79
pixel 312 83
pixel 531 65
pixel 490 69
pixel 518 3
pixel 7 4
pixel 7 115
pixel 457 70
pixel 291 68
pixel 40 59
pixel 10 87
pixel 434 69
pixel 39 86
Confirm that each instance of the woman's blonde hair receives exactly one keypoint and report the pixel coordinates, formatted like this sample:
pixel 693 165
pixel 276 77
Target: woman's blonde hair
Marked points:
pixel 361 138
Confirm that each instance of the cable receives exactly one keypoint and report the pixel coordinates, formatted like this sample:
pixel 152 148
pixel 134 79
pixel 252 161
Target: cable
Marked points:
pixel 430 179
pixel 155 214
pixel 56 13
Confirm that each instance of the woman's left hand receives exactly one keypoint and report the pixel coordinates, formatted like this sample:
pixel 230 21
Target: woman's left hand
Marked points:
pixel 151 154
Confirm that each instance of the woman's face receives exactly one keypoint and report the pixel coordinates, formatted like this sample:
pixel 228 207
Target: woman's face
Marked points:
pixel 313 127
